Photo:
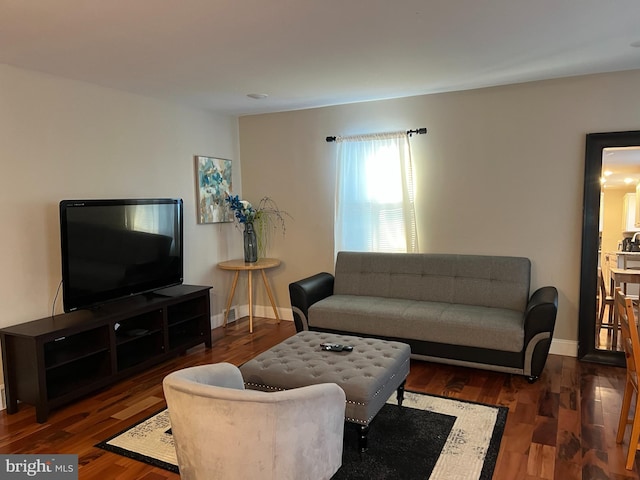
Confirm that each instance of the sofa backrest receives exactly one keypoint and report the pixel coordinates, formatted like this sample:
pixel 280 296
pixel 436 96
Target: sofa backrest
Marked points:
pixel 490 281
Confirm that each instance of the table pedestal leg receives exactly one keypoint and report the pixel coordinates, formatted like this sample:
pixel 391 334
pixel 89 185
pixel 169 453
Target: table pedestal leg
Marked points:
pixel 250 302
pixel 233 290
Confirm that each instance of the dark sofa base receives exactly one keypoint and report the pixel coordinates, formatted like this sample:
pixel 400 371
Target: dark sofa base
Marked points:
pixel 472 357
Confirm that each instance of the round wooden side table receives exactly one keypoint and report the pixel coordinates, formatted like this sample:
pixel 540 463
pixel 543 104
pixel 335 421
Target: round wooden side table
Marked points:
pixel 240 265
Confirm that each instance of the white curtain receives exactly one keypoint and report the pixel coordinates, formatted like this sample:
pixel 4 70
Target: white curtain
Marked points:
pixel 375 194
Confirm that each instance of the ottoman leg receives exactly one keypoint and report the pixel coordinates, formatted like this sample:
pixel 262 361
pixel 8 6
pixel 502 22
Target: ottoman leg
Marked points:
pixel 400 393
pixel 362 440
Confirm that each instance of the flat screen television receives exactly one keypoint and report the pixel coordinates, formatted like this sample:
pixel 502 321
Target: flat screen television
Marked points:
pixel 117 248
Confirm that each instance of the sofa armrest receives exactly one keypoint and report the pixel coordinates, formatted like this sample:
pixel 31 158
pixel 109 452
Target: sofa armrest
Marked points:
pixel 305 293
pixel 539 323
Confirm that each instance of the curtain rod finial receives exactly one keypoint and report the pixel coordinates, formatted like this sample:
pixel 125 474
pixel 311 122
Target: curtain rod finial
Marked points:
pixel 330 139
pixel 417 131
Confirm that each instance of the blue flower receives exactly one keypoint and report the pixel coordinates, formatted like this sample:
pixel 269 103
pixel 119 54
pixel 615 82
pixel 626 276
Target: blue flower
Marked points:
pixel 243 210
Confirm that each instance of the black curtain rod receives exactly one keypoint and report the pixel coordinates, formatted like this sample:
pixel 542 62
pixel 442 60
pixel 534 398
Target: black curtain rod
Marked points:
pixel 417 131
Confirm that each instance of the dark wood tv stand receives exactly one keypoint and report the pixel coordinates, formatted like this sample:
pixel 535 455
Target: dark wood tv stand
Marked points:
pixel 55 360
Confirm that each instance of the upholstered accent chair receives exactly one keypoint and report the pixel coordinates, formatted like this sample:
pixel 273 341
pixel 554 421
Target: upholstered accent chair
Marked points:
pixel 223 431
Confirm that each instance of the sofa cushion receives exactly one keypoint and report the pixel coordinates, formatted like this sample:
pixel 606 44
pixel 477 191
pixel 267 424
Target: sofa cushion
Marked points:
pixel 448 323
pixel 487 281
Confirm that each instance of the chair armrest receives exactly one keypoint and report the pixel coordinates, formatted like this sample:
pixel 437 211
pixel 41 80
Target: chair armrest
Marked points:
pixel 540 315
pixel 305 293
pixel 309 431
pixel 539 323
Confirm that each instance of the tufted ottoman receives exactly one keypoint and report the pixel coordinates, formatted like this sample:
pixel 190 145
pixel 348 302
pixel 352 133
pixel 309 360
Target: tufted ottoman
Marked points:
pixel 368 375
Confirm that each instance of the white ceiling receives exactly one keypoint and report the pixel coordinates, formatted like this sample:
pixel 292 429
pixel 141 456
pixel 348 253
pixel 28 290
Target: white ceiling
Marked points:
pixel 303 53
pixel 620 167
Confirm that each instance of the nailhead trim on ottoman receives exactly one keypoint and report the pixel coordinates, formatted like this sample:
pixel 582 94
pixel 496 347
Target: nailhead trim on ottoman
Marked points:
pixel 368 375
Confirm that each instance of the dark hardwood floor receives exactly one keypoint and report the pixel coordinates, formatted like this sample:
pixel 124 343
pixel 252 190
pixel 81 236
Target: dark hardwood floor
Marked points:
pixel 562 427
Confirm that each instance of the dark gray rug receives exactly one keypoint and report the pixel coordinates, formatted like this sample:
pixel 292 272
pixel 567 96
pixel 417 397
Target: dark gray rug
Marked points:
pixel 429 437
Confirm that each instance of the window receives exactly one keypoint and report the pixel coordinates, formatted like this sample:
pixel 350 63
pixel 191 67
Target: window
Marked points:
pixel 375 194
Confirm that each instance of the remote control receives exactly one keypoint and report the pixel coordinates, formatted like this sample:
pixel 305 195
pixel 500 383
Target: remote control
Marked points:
pixel 336 347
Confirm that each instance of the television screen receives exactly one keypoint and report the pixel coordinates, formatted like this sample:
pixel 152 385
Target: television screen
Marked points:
pixel 117 248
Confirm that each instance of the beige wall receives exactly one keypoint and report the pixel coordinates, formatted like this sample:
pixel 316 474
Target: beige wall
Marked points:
pixel 64 139
pixel 500 172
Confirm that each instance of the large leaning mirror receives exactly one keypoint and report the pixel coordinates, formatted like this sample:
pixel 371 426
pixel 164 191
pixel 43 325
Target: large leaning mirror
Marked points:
pixel 610 240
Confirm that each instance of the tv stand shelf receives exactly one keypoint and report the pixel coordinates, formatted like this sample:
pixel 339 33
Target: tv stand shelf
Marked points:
pixel 55 360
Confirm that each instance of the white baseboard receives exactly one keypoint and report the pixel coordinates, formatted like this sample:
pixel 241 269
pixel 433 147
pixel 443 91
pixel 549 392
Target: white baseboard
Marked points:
pixel 567 348
pixel 264 311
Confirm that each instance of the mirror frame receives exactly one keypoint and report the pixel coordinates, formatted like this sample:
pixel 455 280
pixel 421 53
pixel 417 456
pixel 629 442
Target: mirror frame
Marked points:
pixel 595 144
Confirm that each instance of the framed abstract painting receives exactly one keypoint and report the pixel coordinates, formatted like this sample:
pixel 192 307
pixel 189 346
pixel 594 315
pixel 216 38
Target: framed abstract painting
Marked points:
pixel 213 184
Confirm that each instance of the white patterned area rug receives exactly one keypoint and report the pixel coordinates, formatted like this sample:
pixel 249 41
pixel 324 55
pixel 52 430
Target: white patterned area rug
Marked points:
pixel 474 440
pixel 429 437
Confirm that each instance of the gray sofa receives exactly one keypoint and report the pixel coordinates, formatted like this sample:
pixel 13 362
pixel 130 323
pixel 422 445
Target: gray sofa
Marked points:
pixel 468 310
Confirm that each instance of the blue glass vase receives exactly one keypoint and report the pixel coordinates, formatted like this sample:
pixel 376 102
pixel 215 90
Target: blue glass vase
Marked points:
pixel 250 244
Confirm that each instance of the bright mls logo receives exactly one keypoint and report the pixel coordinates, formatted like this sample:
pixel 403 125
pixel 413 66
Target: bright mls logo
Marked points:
pixel 44 466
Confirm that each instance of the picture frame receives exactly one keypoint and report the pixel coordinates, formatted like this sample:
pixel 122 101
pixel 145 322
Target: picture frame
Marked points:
pixel 213 184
